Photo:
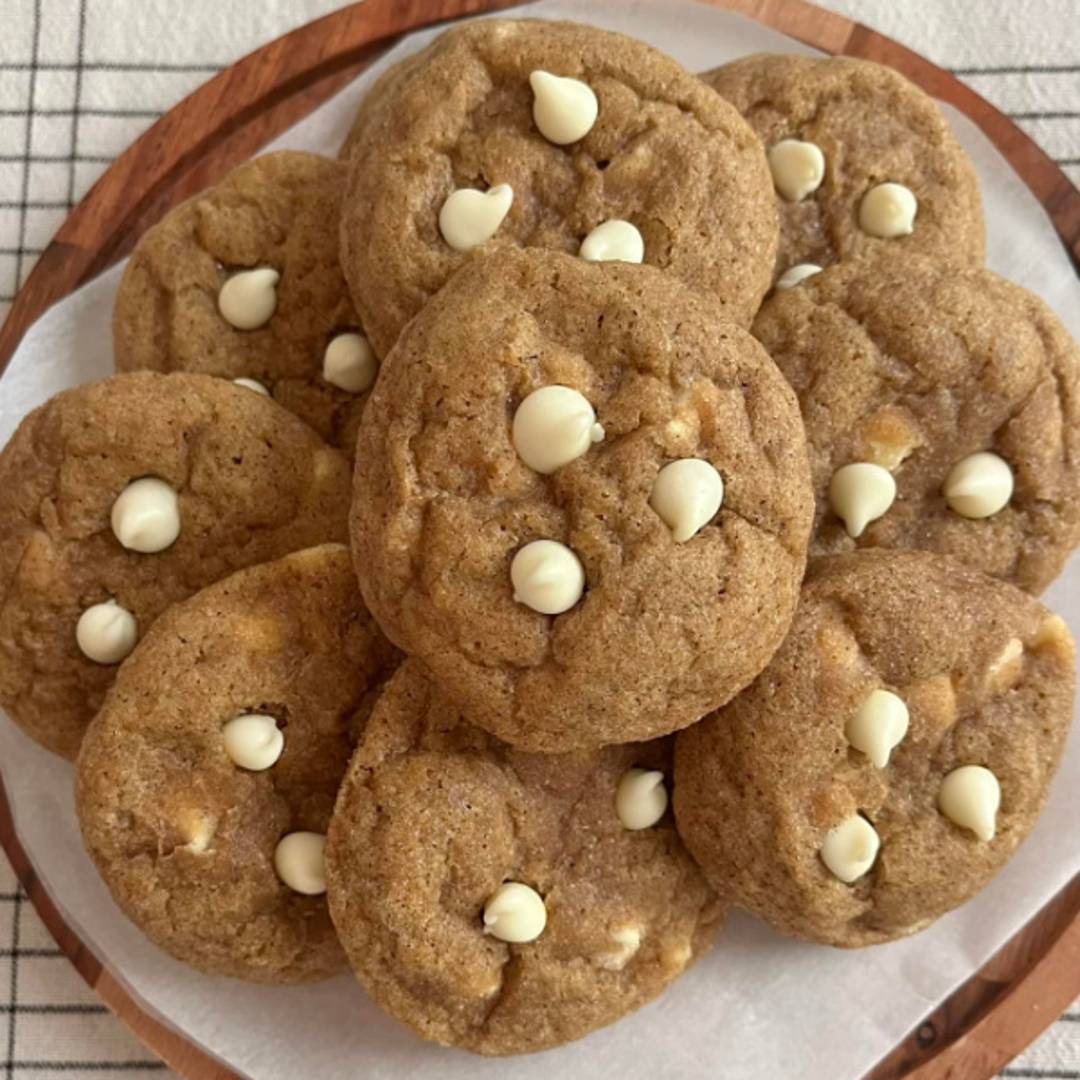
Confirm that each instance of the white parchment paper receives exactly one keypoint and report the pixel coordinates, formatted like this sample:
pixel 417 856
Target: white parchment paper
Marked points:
pixel 759 1007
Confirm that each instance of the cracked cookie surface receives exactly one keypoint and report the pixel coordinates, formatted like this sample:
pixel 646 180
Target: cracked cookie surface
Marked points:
pixel 909 364
pixel 443 501
pixel 666 153
pixel 873 126
pixel 434 815
pixel 184 838
pixel 282 211
pixel 254 483
pixel 988 676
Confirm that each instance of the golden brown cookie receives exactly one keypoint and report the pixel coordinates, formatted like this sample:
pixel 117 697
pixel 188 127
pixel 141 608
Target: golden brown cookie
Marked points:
pixel 852 794
pixel 243 281
pixel 451 500
pixel 867 126
pixel 663 153
pixel 122 497
pixel 961 388
pixel 435 819
pixel 204 786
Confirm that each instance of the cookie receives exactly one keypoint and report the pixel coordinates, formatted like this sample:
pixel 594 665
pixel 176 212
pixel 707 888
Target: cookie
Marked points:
pixel 578 480
pixel 204 786
pixel 529 133
pixel 861 159
pixel 243 281
pixel 942 408
pixel 506 902
pixel 122 497
pixel 892 756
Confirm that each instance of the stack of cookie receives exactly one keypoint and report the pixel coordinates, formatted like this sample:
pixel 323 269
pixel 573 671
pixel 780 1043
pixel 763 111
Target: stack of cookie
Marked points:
pixel 676 405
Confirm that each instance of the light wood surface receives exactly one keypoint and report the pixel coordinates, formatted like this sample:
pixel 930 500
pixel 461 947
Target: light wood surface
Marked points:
pixel 1036 975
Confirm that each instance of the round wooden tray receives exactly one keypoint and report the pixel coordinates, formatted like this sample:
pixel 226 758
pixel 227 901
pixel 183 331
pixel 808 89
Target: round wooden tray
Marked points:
pixel 1026 985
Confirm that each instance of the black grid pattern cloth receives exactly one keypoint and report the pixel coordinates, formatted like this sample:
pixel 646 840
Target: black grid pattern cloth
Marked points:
pixel 81 79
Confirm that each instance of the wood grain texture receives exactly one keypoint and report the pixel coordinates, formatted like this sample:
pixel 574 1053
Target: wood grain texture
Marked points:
pixel 1037 974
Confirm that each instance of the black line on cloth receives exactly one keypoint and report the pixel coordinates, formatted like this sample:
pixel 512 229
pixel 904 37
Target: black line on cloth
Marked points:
pixel 1042 1074
pixel 113 65
pixel 31 204
pixel 1018 69
pixel 1050 114
pixel 134 114
pixel 87 1066
pixel 27 147
pixel 30 954
pixel 58 159
pixel 55 1010
pixel 13 990
pixel 15 251
pixel 79 52
pixel 1068 161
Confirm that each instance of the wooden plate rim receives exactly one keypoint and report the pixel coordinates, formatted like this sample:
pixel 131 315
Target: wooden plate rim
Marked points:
pixel 1035 976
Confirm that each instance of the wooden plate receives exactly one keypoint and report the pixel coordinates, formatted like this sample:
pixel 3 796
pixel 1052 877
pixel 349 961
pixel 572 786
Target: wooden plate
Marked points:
pixel 1034 977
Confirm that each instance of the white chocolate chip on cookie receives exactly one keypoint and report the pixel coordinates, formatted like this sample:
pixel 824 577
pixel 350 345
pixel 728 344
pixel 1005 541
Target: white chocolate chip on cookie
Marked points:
pixel 146 516
pixel 797 168
pixel 796 275
pixel 878 725
pixel 613 241
pixel 888 210
pixel 106 633
pixel 547 577
pixel 640 798
pixel 253 385
pixel 625 942
pixel 970 797
pixel 300 863
pixel 564 109
pixel 979 486
pixel 1005 669
pixel 850 848
pixel 687 495
pixel 515 913
pixel 253 741
pixel 553 426
pixel 248 298
pixel 861 493
pixel 349 363
pixel 470 218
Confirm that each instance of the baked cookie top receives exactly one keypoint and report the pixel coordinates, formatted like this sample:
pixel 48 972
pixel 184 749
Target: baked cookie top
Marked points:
pixel 243 281
pixel 942 409
pixel 124 496
pixel 577 479
pixel 892 756
pixel 843 138
pixel 547 895
pixel 204 786
pixel 533 134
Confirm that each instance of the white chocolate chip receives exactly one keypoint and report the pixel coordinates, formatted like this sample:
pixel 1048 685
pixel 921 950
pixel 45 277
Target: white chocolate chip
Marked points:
pixel 970 797
pixel 878 725
pixel 146 516
pixel 470 218
pixel 1004 672
pixel 299 860
pixel 253 741
pixel 796 275
pixel 850 848
pixel 248 298
pixel 553 426
pixel 564 109
pixel 252 384
pixel 613 241
pixel 349 363
pixel 198 830
pixel 641 798
pixel 861 493
pixel 106 633
pixel 626 940
pixel 797 168
pixel 687 495
pixel 515 913
pixel 979 486
pixel 547 577
pixel 888 210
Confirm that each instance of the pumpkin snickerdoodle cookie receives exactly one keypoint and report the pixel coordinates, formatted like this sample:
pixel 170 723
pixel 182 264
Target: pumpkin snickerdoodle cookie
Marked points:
pixel 243 281
pixel 577 480
pixel 501 901
pixel 122 497
pixel 527 133
pixel 892 756
pixel 204 786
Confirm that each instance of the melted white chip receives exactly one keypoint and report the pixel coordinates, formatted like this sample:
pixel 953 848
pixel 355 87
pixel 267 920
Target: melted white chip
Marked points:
pixel 515 913
pixel 470 218
pixel 248 298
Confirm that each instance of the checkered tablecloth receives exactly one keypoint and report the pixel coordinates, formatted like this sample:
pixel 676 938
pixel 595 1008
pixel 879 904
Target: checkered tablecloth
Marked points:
pixel 80 79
